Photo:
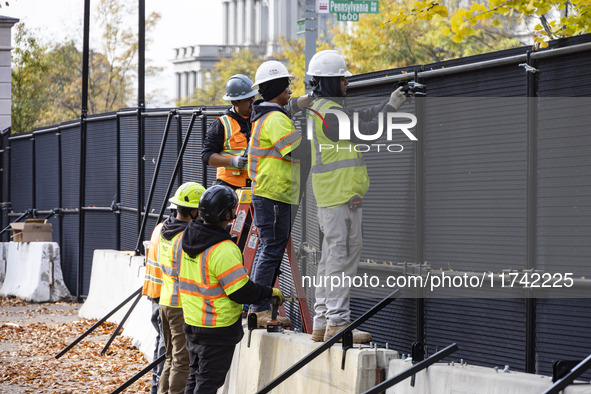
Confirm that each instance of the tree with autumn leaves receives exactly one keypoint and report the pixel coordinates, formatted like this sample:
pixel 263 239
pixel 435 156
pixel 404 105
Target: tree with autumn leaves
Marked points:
pixel 46 86
pixel 552 18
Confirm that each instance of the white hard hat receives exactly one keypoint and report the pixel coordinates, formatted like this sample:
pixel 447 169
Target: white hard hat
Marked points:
pixel 328 63
pixel 269 71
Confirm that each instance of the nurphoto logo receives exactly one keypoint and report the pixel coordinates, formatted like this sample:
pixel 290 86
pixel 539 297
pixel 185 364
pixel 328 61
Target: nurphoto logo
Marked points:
pixel 396 123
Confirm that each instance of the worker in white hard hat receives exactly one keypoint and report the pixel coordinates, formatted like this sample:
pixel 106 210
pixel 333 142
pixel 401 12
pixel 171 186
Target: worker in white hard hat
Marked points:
pixel 339 181
pixel 226 139
pixel 274 167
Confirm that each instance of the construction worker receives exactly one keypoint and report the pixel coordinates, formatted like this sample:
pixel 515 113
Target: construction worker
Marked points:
pixel 176 367
pixel 339 181
pixel 213 286
pixel 151 288
pixel 227 137
pixel 275 172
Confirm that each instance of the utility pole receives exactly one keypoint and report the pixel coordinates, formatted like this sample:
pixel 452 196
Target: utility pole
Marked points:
pixel 310 37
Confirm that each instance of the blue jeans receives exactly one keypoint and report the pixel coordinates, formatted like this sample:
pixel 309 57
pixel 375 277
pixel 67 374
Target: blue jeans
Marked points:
pixel 273 220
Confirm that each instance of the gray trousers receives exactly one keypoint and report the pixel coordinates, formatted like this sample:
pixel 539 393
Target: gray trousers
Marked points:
pixel 341 250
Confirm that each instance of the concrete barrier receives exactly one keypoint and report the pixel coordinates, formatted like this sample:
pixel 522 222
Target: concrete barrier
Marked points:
pixel 271 354
pixel 115 276
pixel 32 271
pixel 442 378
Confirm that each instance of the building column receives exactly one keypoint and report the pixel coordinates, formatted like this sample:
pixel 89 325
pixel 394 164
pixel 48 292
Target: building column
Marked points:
pixel 240 22
pixel 178 86
pixel 249 22
pixel 184 85
pixel 225 17
pixel 232 22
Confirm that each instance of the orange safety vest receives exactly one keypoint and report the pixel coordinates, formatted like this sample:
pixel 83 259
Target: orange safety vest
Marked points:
pixel 235 144
pixel 153 278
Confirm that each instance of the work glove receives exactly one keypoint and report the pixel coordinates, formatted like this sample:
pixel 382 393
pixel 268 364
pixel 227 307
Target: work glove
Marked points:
pixel 397 98
pixel 278 294
pixel 239 161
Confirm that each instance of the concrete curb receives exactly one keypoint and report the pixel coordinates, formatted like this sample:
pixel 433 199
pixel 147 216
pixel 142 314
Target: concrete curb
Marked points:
pixel 442 378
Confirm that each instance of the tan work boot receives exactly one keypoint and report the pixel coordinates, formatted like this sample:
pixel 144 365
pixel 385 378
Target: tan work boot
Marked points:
pixel 358 336
pixel 264 316
pixel 318 335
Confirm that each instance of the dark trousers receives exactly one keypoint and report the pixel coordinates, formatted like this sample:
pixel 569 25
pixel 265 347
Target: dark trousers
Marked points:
pixel 273 219
pixel 209 365
pixel 159 349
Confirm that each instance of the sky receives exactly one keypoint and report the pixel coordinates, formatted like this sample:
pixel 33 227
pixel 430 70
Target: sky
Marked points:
pixel 182 23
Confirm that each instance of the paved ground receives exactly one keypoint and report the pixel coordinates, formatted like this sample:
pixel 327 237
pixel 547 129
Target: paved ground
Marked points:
pixel 32 334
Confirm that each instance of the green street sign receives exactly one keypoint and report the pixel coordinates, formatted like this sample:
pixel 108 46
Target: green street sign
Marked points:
pixel 301 26
pixel 353 7
pixel 347 17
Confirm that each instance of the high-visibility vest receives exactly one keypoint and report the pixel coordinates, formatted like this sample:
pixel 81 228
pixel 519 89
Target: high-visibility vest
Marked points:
pixel 274 173
pixel 169 263
pixel 205 282
pixel 338 171
pixel 235 144
pixel 153 278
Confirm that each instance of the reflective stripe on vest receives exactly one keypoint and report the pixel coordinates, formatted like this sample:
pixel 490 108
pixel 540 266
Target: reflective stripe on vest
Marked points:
pixel 153 278
pixel 338 171
pixel 170 253
pixel 234 145
pixel 274 180
pixel 203 292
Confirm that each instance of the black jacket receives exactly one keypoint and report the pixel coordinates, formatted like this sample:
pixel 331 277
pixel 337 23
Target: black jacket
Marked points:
pixel 215 136
pixel 198 237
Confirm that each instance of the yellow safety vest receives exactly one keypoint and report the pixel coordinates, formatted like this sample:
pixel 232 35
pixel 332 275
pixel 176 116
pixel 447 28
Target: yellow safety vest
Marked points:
pixel 235 144
pixel 275 174
pixel 338 171
pixel 205 282
pixel 153 278
pixel 169 262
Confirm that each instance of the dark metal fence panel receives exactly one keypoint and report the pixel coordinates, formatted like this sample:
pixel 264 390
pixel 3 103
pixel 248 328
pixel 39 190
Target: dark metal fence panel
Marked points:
pixel 70 140
pixel 565 76
pixel 489 332
pixel 47 170
pixel 154 127
pixel 129 230
pixel 4 182
pixel 128 177
pixel 99 233
pixel 563 204
pixel 21 174
pixel 192 168
pixel 562 332
pixel 69 248
pixel 475 184
pixel 70 148
pixel 101 162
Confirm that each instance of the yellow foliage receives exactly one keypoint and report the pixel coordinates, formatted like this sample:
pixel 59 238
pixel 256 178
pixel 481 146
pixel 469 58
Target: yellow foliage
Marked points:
pixel 558 25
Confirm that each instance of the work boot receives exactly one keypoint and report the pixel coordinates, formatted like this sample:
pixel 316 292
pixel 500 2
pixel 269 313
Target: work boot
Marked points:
pixel 358 336
pixel 264 316
pixel 318 335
